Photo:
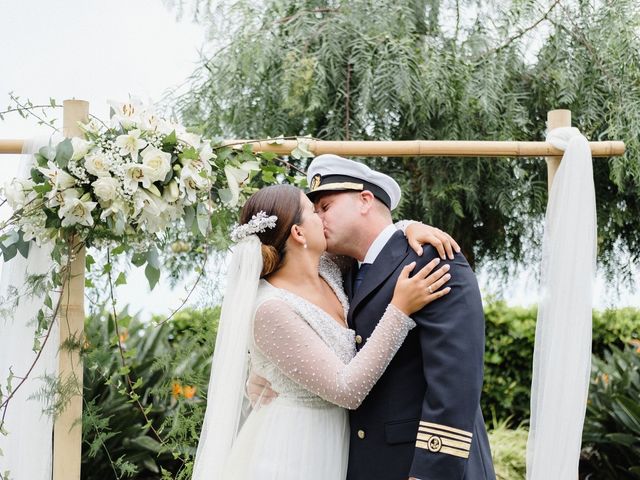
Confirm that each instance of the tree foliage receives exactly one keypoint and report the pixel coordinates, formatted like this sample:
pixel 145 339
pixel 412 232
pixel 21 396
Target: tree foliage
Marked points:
pixel 439 69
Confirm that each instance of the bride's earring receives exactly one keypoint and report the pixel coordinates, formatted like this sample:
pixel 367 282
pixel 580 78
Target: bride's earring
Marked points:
pixel 305 245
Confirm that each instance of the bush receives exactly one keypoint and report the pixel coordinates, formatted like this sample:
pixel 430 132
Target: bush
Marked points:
pixel 510 335
pixel 510 332
pixel 611 437
pixel 169 365
pixel 508 449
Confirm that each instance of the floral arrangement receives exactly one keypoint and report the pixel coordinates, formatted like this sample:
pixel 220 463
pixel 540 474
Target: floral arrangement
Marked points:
pixel 135 176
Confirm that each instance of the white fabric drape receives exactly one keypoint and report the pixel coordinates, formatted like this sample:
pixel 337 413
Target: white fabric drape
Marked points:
pixel 562 354
pixel 229 368
pixel 27 449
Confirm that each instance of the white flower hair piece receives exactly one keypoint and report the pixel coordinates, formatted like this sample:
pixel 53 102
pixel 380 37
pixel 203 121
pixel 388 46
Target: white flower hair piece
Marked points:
pixel 258 223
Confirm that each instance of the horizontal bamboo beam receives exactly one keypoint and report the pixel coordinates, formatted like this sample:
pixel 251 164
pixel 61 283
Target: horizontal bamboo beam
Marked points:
pixel 11 146
pixel 433 148
pixel 409 148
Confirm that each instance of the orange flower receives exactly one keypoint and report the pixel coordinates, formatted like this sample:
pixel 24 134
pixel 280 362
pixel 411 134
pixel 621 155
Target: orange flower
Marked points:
pixel 176 390
pixel 605 378
pixel 124 335
pixel 636 343
pixel 189 392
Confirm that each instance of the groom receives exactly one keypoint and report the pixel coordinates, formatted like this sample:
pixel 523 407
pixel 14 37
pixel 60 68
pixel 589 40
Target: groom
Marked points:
pixel 422 419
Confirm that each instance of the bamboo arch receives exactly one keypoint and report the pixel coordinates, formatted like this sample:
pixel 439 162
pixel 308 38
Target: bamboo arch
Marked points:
pixel 67 429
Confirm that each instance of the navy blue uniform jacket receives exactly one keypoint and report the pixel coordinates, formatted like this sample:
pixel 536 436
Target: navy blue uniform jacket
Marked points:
pixel 422 418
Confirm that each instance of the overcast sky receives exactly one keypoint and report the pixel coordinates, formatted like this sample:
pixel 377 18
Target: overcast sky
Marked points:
pixel 96 51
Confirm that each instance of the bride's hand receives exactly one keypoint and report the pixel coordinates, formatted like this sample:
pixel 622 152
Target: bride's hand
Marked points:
pixel 419 234
pixel 259 390
pixel 413 293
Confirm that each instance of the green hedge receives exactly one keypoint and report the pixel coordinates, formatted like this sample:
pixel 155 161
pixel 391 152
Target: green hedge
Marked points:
pixel 510 334
pixel 169 364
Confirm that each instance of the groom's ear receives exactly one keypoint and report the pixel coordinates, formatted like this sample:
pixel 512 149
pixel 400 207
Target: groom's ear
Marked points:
pixel 367 201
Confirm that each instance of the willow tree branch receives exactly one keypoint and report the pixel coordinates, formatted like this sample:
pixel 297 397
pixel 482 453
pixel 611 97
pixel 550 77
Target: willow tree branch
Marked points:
pixel 520 34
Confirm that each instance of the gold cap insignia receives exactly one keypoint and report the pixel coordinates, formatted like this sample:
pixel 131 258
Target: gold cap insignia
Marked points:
pixel 315 182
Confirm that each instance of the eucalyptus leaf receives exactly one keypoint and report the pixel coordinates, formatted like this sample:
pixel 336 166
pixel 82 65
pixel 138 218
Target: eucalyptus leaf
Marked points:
pixel 189 216
pixel 225 194
pixel 23 248
pixel 153 258
pixel 9 252
pixel 204 222
pixel 64 152
pixel 48 152
pixel 139 259
pixel 153 275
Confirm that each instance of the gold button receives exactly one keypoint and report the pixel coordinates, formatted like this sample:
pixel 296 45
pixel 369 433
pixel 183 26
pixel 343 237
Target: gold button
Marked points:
pixel 358 339
pixel 360 434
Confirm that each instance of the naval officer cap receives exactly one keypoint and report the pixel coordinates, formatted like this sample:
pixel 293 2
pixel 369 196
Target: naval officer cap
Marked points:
pixel 331 173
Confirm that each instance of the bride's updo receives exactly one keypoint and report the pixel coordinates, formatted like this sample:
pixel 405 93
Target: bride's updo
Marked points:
pixel 282 201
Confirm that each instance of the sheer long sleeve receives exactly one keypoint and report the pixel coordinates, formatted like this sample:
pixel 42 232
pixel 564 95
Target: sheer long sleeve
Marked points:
pixel 296 349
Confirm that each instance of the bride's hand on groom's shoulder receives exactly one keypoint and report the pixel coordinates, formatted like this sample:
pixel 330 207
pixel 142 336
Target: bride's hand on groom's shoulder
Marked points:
pixel 414 292
pixel 419 234
pixel 259 391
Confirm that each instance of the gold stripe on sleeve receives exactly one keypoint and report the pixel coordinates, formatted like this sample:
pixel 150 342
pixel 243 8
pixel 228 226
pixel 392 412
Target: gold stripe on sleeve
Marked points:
pixel 444 427
pixel 433 431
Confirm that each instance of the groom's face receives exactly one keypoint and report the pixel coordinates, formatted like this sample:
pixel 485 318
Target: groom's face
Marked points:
pixel 339 214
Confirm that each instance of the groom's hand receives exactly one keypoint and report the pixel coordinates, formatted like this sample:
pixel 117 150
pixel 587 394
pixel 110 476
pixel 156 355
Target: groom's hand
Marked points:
pixel 259 390
pixel 419 234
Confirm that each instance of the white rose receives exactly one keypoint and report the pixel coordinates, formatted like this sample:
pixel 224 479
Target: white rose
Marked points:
pixel 106 188
pixel 80 148
pixel 158 163
pixel 18 192
pixel 97 163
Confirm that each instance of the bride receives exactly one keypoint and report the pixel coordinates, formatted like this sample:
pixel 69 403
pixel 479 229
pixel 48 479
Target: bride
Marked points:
pixel 285 304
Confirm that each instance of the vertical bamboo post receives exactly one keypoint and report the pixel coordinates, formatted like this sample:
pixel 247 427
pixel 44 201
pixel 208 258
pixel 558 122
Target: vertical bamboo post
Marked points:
pixel 555 119
pixel 67 430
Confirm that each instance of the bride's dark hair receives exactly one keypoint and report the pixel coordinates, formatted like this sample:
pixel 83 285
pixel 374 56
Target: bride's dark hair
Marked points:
pixel 282 201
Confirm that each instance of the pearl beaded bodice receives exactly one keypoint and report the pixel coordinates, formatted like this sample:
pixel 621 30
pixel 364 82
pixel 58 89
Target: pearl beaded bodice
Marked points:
pixel 307 356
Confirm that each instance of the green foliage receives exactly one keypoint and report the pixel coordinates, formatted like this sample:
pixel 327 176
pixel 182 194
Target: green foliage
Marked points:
pixel 427 69
pixel 510 335
pixel 508 450
pixel 612 428
pixel 168 365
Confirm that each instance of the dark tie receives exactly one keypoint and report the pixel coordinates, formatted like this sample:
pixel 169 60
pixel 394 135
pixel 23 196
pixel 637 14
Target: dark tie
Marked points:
pixel 362 271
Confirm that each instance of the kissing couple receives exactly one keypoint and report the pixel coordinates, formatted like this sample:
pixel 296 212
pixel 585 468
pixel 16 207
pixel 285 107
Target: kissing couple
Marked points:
pixel 366 349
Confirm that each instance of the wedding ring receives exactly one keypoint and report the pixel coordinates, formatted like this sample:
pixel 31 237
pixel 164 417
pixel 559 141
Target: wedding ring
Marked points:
pixel 429 289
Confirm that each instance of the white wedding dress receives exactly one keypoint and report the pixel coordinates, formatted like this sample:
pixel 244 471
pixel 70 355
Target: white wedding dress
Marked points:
pixel 311 362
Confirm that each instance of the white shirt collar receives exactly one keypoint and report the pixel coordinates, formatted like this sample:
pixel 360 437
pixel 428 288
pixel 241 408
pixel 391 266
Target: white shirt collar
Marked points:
pixel 378 244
